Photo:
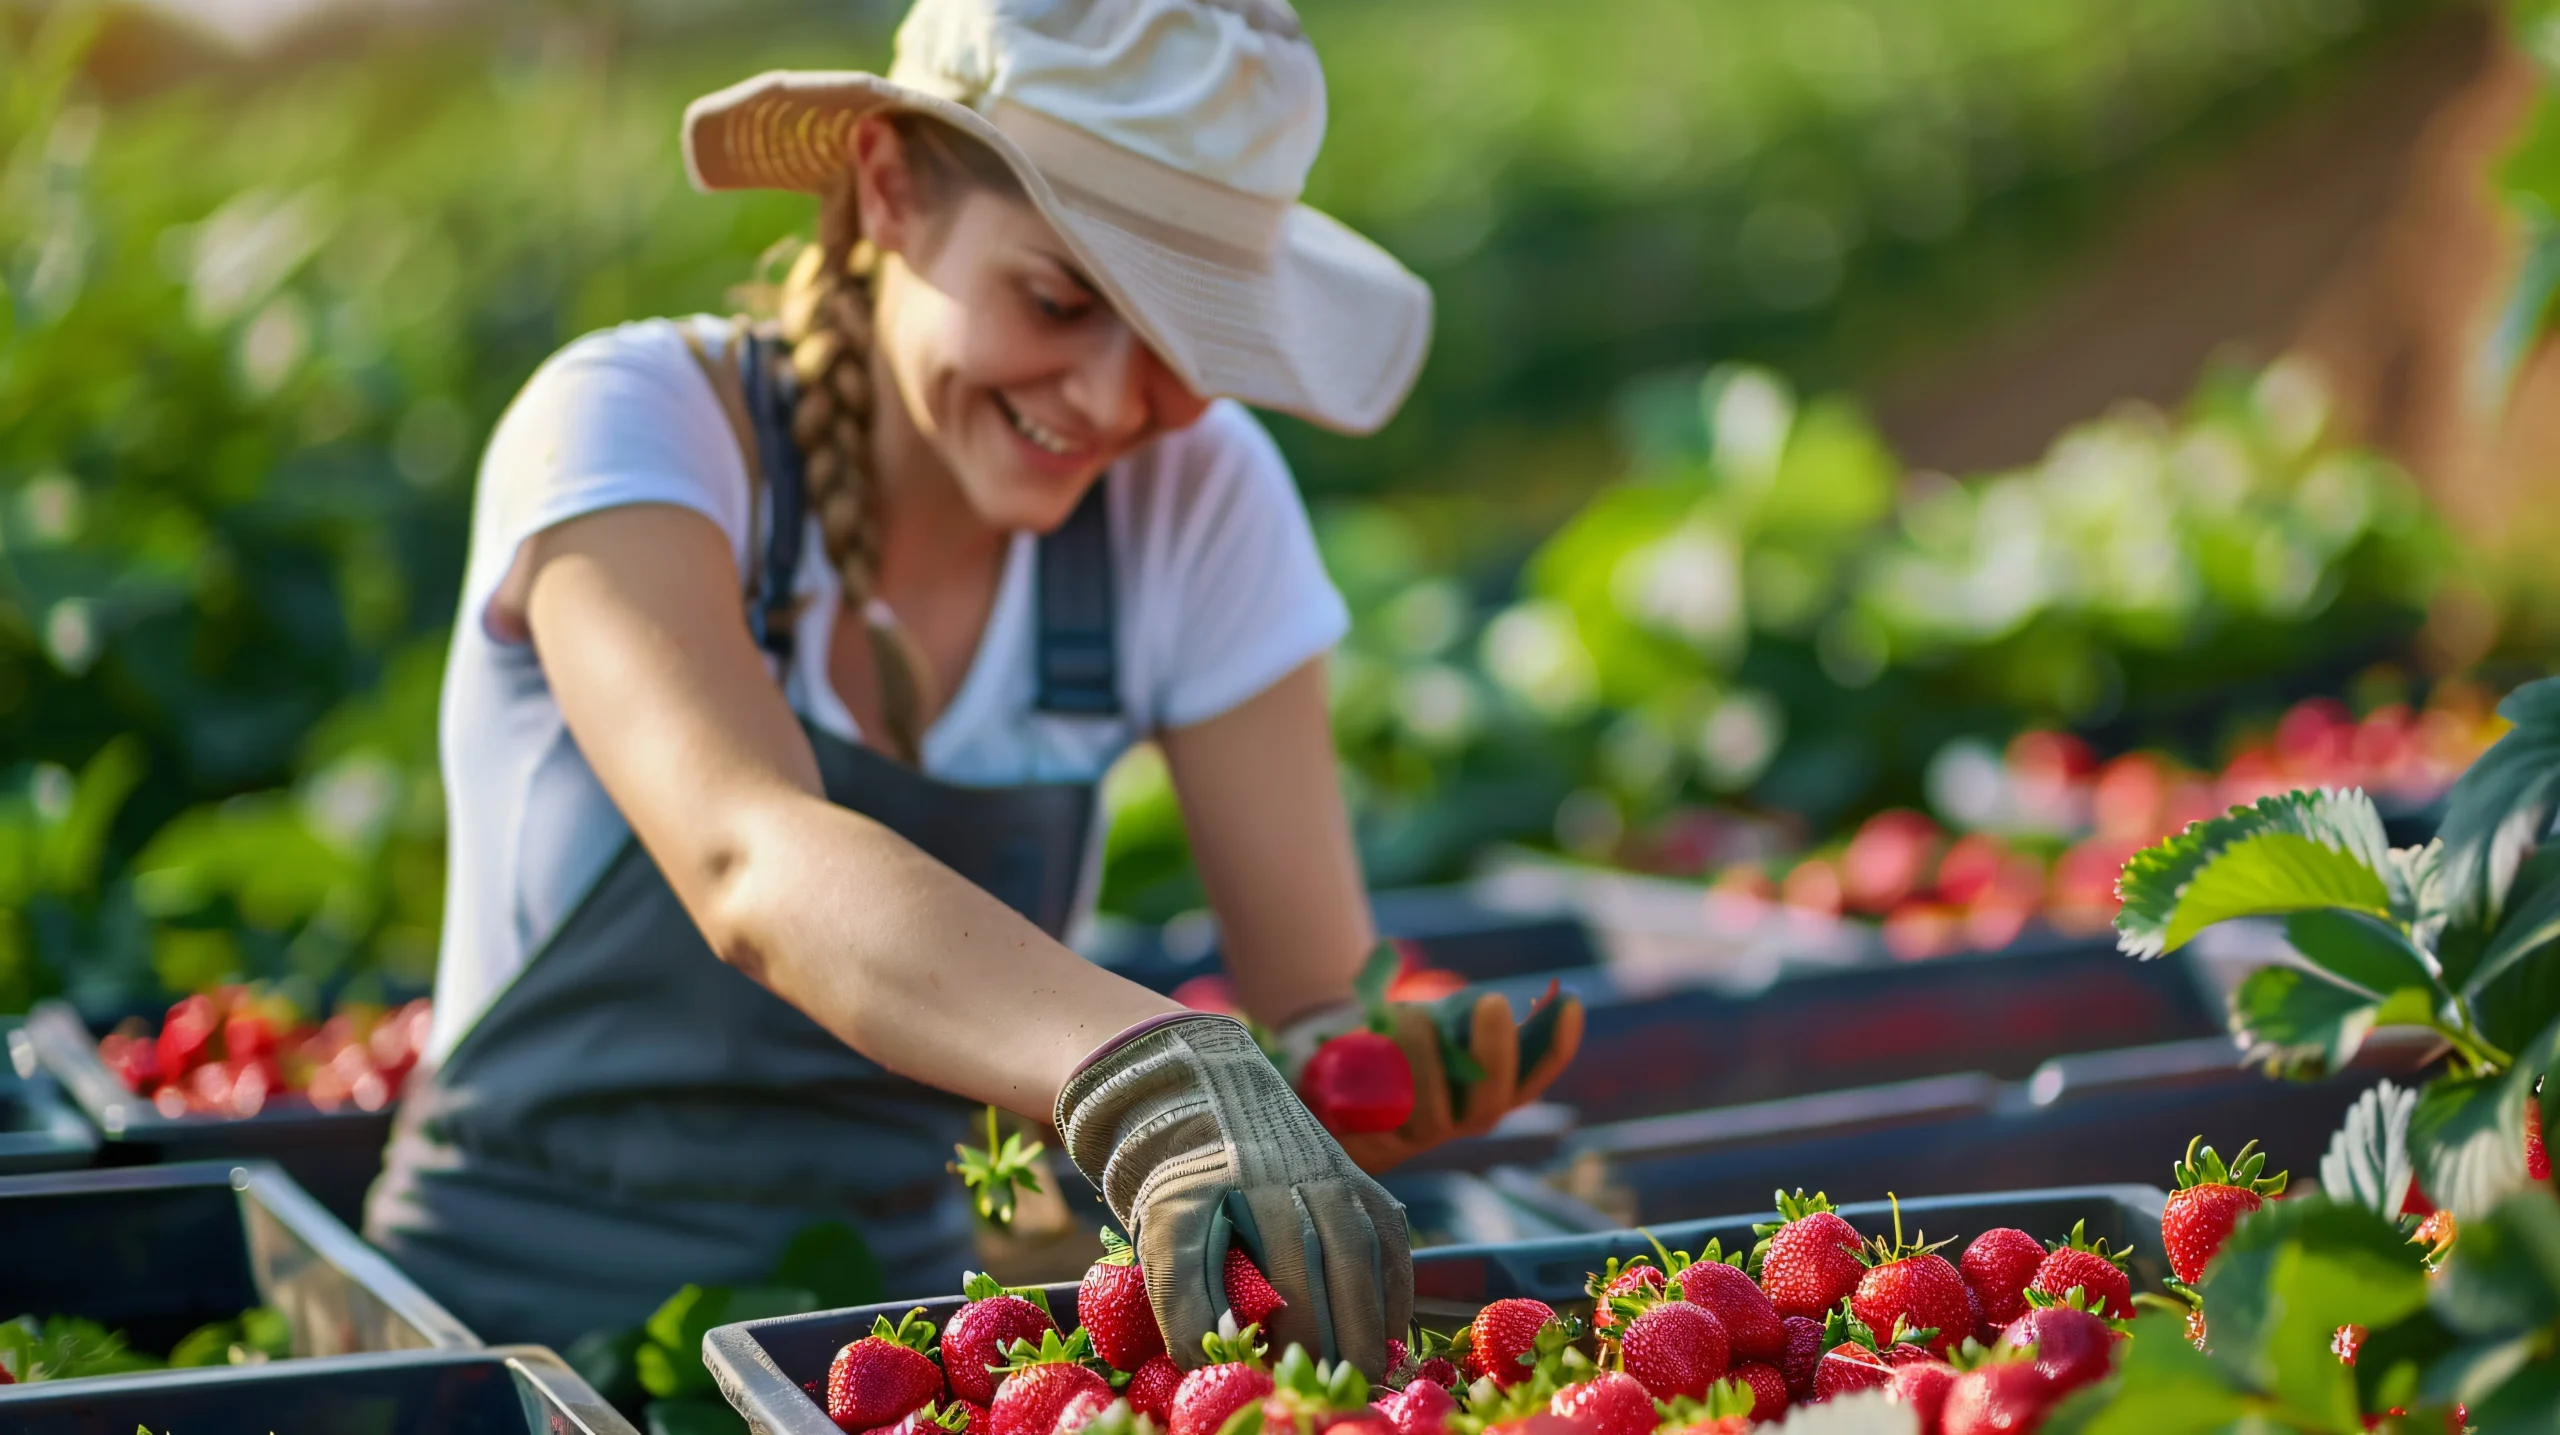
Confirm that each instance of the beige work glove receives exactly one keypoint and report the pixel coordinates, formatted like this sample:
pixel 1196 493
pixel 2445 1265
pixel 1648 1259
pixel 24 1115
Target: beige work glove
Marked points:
pixel 1198 1145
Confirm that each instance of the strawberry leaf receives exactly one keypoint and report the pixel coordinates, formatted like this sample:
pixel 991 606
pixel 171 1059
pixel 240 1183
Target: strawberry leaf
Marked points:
pixel 2300 1023
pixel 2290 1275
pixel 2500 810
pixel 2282 854
pixel 2466 1137
pixel 2368 1157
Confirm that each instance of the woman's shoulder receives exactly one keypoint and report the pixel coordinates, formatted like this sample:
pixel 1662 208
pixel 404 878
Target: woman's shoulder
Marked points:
pixel 644 349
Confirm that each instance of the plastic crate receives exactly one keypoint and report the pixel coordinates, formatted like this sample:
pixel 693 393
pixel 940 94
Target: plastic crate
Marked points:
pixel 2000 1013
pixel 39 1129
pixel 1454 927
pixel 761 1364
pixel 509 1390
pixel 2090 1119
pixel 333 1154
pixel 157 1251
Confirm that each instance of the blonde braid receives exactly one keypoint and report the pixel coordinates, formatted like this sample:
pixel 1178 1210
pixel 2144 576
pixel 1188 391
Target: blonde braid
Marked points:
pixel 826 320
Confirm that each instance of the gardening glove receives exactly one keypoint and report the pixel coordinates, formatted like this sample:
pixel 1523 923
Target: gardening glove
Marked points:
pixel 1199 1147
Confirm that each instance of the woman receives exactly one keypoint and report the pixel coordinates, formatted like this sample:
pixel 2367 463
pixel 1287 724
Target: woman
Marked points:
pixel 788 660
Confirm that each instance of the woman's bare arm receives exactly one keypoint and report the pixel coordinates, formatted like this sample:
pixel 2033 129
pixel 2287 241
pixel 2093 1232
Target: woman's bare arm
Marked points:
pixel 642 634
pixel 1262 802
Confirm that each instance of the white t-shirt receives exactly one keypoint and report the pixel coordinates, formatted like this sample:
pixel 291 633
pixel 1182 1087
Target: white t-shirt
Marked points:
pixel 1219 588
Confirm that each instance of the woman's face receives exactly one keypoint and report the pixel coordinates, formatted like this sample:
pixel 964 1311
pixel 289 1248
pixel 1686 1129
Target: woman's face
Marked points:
pixel 1014 370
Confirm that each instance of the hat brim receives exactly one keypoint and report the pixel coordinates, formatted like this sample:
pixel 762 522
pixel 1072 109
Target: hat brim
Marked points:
pixel 1320 323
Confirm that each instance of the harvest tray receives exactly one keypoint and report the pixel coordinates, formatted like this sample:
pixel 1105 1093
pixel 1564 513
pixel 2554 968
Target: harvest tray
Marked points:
pixel 1451 926
pixel 509 1390
pixel 157 1251
pixel 334 1155
pixel 761 1364
pixel 39 1129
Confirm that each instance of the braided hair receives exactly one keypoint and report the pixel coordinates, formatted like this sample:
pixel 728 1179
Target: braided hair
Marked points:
pixel 826 310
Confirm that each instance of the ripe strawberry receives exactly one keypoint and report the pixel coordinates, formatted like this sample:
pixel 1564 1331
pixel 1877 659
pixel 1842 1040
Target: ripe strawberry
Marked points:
pixel 1039 1383
pixel 1359 1081
pixel 2005 1399
pixel 1611 1403
pixel 1399 1355
pixel 1423 1407
pixel 1848 1367
pixel 1249 1292
pixel 2537 1157
pixel 1804 1351
pixel 1677 1349
pixel 2072 1347
pixel 1808 1258
pixel 1503 1341
pixel 1439 1370
pixel 1769 1394
pixel 1112 1307
pixel 1081 1410
pixel 1998 1266
pixel 1750 1320
pixel 1637 1279
pixel 1151 1388
pixel 973 1417
pixel 978 1341
pixel 2079 1262
pixel 2345 1344
pixel 1910 1287
pixel 1233 1379
pixel 1922 1385
pixel 881 1378
pixel 1544 1422
pixel 2210 1200
pixel 932 1420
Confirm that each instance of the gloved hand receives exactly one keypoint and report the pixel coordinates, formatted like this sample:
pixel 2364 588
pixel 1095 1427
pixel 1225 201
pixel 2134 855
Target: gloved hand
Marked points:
pixel 1197 1144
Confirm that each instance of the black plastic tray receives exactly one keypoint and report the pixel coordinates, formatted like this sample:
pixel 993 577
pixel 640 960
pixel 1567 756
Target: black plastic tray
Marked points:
pixel 334 1155
pixel 1651 1052
pixel 39 1129
pixel 761 1364
pixel 509 1390
pixel 157 1251
pixel 1452 926
pixel 2090 1119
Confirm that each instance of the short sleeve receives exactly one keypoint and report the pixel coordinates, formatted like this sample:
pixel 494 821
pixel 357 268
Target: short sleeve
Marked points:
pixel 620 417
pixel 1248 598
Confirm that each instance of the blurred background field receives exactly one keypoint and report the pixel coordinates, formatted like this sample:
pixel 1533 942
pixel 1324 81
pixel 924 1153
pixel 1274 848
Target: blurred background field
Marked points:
pixel 1882 457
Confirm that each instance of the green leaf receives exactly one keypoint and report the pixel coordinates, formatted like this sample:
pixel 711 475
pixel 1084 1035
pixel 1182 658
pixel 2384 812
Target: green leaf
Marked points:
pixel 832 1262
pixel 2526 311
pixel 2165 1387
pixel 2291 1274
pixel 695 1415
pixel 2499 810
pixel 2300 1022
pixel 2467 1138
pixel 2529 928
pixel 670 1363
pixel 2368 1158
pixel 2361 950
pixel 2503 1275
pixel 2529 1400
pixel 2281 854
pixel 205 1345
pixel 609 1361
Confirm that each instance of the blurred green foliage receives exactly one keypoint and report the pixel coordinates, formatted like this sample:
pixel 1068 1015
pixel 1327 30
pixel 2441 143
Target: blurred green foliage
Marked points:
pixel 254 325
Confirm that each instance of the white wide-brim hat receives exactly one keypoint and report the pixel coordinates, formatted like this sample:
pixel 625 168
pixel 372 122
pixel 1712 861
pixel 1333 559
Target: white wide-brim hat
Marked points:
pixel 1167 141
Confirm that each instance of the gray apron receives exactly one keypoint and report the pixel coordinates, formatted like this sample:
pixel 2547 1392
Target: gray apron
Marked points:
pixel 632 1113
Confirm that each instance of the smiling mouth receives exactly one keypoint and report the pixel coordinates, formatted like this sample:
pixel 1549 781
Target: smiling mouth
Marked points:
pixel 1041 436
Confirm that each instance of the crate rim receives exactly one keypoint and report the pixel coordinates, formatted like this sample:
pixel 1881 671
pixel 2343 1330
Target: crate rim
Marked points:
pixel 55 1038
pixel 539 1366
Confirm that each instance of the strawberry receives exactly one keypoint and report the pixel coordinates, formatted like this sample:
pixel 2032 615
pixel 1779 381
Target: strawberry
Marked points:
pixel 883 1377
pixel 1399 1355
pixel 1769 1394
pixel 1676 1349
pixel 2079 1263
pixel 2537 1157
pixel 1081 1410
pixel 1923 1386
pixel 1636 1279
pixel 1113 1308
pixel 1423 1407
pixel 1249 1292
pixel 932 1420
pixel 2210 1200
pixel 973 1417
pixel 1358 1082
pixel 1849 1367
pixel 1039 1382
pixel 1439 1370
pixel 1732 1407
pixel 2072 1347
pixel 1611 1403
pixel 2004 1399
pixel 1808 1257
pixel 186 1035
pixel 980 1336
pixel 1998 1266
pixel 1151 1388
pixel 2348 1340
pixel 1804 1351
pixel 1544 1422
pixel 1750 1319
pixel 1311 1399
pixel 1503 1341
pixel 1233 1379
pixel 1910 1287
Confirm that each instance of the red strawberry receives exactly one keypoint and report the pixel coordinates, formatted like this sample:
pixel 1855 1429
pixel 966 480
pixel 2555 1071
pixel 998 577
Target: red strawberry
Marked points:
pixel 1423 1407
pixel 883 1377
pixel 2072 1347
pixel 2210 1200
pixel 1151 1389
pixel 2005 1399
pixel 1634 1280
pixel 1750 1320
pixel 1249 1292
pixel 1233 1379
pixel 1923 1386
pixel 1998 1266
pixel 1112 1307
pixel 1611 1403
pixel 1359 1081
pixel 186 1035
pixel 1849 1366
pixel 1081 1409
pixel 1804 1351
pixel 1503 1341
pixel 1040 1382
pixel 1808 1258
pixel 979 1339
pixel 1440 1371
pixel 1544 1422
pixel 1909 1287
pixel 1769 1394
pixel 2537 1157
pixel 2348 1340
pixel 1398 1354
pixel 932 1420
pixel 2070 1268
pixel 1677 1349
pixel 973 1417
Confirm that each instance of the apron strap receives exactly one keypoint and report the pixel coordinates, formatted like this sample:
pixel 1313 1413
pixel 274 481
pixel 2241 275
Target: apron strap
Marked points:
pixel 1079 640
pixel 773 616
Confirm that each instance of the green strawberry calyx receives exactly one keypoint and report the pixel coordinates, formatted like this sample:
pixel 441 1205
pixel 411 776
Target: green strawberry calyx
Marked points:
pixel 1116 1250
pixel 1726 1397
pixel 949 1417
pixel 1076 1349
pixel 976 1286
pixel 1318 1387
pixel 1841 1326
pixel 2204 1166
pixel 2079 1240
pixel 1791 1209
pixel 1231 1344
pixel 1596 1285
pixel 912 1331
pixel 2078 1298
pixel 1880 1253
pixel 1974 1355
pixel 995 1172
